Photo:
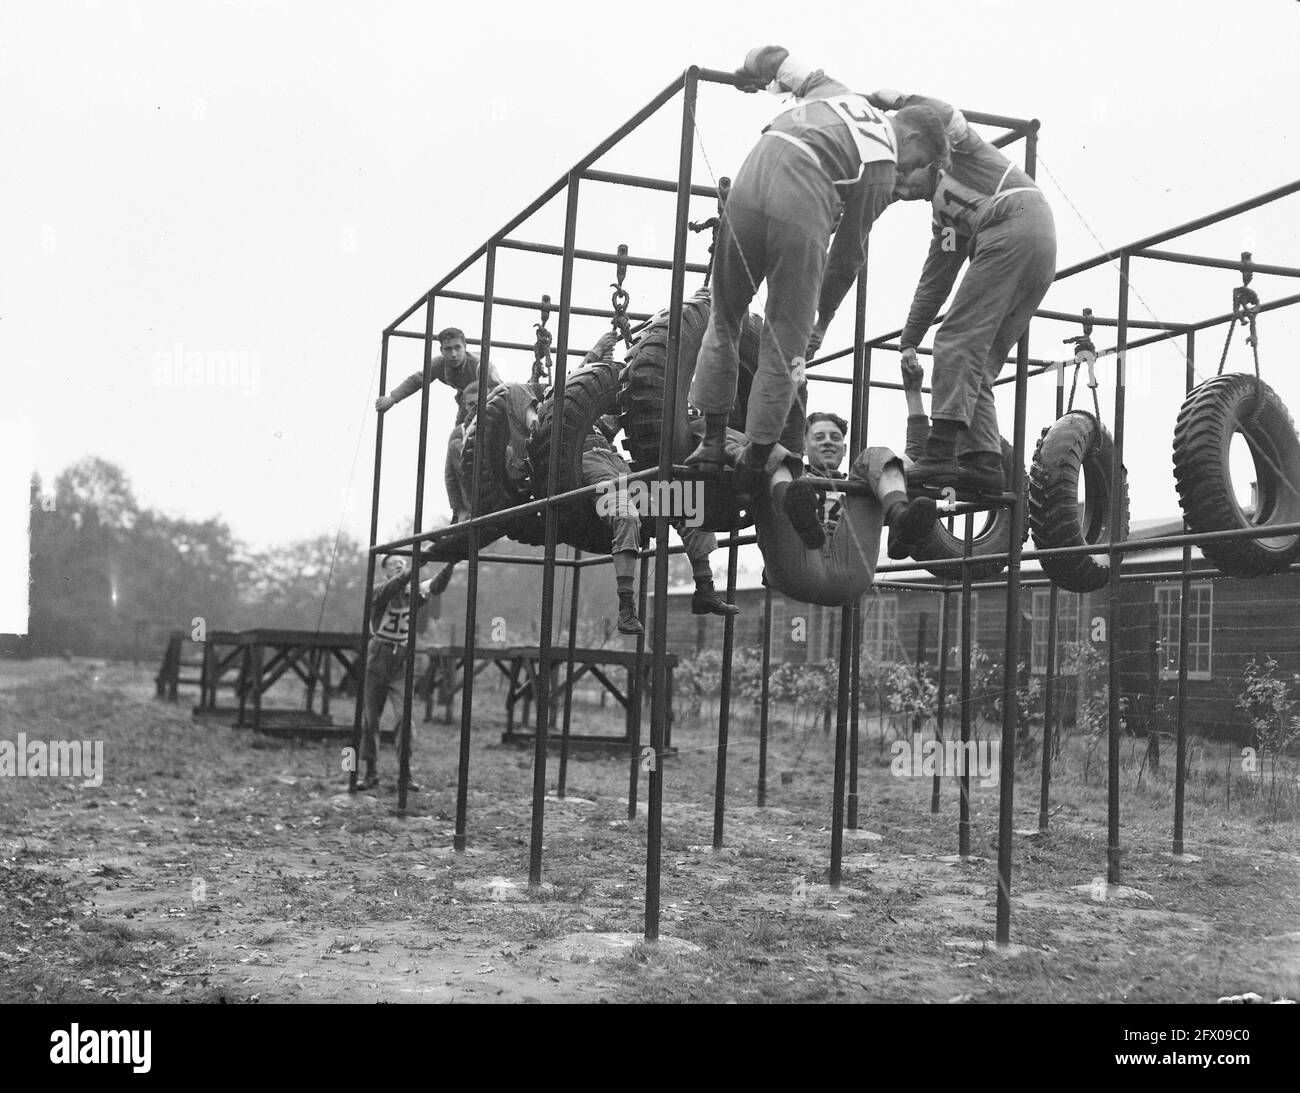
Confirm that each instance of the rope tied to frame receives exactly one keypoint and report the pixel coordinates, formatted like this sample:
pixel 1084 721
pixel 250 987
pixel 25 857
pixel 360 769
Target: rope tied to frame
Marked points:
pixel 1085 352
pixel 712 224
pixel 1245 308
pixel 542 349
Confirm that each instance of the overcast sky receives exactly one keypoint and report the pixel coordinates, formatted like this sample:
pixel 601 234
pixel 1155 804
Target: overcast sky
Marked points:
pixel 269 184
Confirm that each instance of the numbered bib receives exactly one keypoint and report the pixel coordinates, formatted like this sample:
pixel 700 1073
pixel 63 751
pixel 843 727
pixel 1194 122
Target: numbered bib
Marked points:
pixel 872 134
pixel 396 623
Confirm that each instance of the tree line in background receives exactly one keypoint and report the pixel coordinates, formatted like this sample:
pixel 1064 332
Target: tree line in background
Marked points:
pixel 111 578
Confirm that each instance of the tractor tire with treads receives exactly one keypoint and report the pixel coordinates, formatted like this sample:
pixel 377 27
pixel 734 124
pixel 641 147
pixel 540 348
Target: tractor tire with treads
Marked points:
pixel 942 544
pixel 641 398
pixel 496 490
pixel 1074 445
pixel 589 394
pixel 1211 414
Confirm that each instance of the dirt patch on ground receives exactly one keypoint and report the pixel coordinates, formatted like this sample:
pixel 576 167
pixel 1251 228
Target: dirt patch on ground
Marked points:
pixel 214 864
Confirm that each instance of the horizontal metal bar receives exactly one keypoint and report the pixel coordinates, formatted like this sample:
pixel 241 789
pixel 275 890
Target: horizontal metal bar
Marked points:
pixel 1008 138
pixel 1137 324
pixel 604 146
pixel 1002 121
pixel 525 346
pixel 521 509
pixel 1127 546
pixel 505 559
pixel 1181 229
pixel 598 256
pixel 644 182
pixel 1216 263
pixel 1203 573
pixel 1204 324
pixel 535 305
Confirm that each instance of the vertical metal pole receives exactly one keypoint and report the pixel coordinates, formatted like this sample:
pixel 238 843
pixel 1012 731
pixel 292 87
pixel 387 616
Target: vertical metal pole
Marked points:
pixel 636 685
pixel 1010 676
pixel 568 681
pixel 460 838
pixel 963 782
pixel 1116 515
pixel 841 748
pixel 1049 669
pixel 853 615
pixel 659 697
pixel 764 697
pixel 370 572
pixel 1180 761
pixel 724 701
pixel 944 638
pixel 413 589
pixel 855 700
pixel 544 706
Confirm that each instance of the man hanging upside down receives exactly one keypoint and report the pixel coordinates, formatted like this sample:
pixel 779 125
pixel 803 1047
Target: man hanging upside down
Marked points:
pixel 827 163
pixel 988 209
pixel 909 522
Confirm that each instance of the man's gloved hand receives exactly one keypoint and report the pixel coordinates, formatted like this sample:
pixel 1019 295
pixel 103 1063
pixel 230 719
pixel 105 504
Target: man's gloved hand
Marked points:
pixel 383 402
pixel 887 98
pixel 913 372
pixel 815 339
pixel 760 67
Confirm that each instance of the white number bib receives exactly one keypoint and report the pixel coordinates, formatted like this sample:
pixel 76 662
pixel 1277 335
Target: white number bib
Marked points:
pixel 872 134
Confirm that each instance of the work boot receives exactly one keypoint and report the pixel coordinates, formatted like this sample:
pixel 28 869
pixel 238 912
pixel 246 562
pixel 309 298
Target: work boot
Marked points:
pixel 937 468
pixel 370 781
pixel 910 522
pixel 980 472
pixel 706 601
pixel 711 455
pixel 750 475
pixel 802 506
pixel 628 623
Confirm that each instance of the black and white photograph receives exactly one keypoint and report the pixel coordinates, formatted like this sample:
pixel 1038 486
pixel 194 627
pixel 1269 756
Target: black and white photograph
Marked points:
pixel 597 504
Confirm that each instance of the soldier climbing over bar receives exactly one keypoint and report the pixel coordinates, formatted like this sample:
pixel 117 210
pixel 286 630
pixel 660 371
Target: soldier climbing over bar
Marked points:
pixel 991 211
pixel 459 369
pixel 827 164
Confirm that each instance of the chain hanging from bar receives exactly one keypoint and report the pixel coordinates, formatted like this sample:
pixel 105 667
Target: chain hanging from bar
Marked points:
pixel 541 378
pixel 619 301
pixel 1084 353
pixel 712 224
pixel 1245 306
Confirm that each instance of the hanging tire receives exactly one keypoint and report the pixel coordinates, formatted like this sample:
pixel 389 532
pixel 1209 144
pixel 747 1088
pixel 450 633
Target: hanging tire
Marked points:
pixel 1210 416
pixel 1075 445
pixel 994 538
pixel 497 491
pixel 641 398
pixel 589 394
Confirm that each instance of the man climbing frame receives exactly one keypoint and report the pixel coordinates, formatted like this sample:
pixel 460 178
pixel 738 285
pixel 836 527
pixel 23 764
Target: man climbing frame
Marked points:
pixel 988 209
pixel 827 163
pixel 458 369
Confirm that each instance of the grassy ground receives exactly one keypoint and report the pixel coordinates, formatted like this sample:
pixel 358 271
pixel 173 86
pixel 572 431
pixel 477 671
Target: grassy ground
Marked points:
pixel 211 864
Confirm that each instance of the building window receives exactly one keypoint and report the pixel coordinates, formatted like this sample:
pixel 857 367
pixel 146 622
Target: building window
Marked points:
pixel 1200 617
pixel 1067 626
pixel 880 629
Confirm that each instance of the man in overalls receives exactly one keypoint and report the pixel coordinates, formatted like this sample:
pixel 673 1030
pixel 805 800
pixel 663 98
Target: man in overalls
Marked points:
pixel 987 209
pixel 826 164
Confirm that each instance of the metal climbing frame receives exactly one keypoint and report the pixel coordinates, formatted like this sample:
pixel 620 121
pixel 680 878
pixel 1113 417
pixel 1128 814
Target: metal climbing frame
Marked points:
pixel 684 188
pixel 1116 550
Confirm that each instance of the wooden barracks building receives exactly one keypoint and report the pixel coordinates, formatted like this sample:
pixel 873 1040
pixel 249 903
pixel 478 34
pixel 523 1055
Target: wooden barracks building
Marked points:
pixel 1231 620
